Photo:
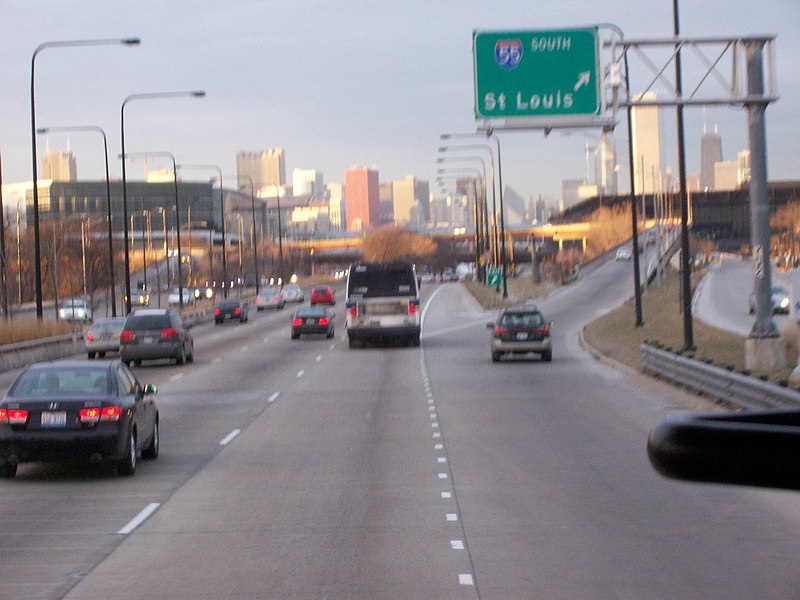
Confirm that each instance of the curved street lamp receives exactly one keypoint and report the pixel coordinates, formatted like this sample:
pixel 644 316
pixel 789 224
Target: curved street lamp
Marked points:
pixel 112 275
pixel 145 96
pixel 132 41
pixel 177 220
pixel 222 216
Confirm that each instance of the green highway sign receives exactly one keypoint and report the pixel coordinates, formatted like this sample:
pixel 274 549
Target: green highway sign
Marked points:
pixel 536 73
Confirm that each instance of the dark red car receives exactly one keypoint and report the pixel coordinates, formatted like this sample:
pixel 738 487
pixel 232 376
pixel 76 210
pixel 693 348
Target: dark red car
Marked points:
pixel 322 294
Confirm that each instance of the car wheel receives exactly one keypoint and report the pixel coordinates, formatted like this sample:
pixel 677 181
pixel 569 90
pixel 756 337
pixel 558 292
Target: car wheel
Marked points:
pixel 190 358
pixel 137 363
pixel 127 363
pixel 181 358
pixel 329 335
pixel 8 470
pixel 415 340
pixel 352 343
pixel 90 354
pixel 151 451
pixel 127 464
pixel 295 336
pixel 547 356
pixel 101 354
pixel 496 356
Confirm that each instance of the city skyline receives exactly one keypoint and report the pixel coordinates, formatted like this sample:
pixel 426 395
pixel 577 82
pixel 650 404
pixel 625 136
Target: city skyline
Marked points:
pixel 336 92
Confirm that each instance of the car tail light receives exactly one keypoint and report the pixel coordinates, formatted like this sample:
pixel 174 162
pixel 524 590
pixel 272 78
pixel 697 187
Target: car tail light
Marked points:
pixel 500 331
pixel 354 311
pixel 13 416
pixel 543 330
pixel 296 322
pixel 323 321
pixel 238 310
pixel 216 312
pixel 277 298
pixel 94 414
pixel 89 337
pixel 127 336
pixel 412 307
pixel 169 333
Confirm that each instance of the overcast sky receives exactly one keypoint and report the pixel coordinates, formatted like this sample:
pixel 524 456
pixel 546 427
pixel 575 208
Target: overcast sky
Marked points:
pixel 336 83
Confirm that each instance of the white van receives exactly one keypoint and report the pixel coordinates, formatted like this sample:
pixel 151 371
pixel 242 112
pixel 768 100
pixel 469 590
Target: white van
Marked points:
pixel 382 303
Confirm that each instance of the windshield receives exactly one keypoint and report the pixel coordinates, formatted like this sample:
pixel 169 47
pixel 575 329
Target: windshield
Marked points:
pixel 375 281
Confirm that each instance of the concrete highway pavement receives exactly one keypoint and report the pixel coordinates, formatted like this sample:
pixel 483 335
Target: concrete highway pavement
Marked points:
pixel 305 469
pixel 723 295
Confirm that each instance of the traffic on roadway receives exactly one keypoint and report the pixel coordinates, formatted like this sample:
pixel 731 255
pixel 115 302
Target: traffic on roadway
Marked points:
pixel 294 468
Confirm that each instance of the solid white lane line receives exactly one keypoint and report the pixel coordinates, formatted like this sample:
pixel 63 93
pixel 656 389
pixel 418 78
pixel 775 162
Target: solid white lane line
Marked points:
pixel 140 518
pixel 176 377
pixel 465 579
pixel 456 544
pixel 216 361
pixel 229 438
pixel 274 397
pixel 300 373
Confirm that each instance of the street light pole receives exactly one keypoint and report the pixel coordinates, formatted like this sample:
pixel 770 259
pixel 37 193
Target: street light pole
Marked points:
pixel 177 216
pixel 36 242
pixel 255 242
pixel 491 135
pixel 210 233
pixel 112 275
pixel 146 96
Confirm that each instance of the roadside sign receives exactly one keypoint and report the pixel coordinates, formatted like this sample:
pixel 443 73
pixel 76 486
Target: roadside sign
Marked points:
pixel 493 277
pixel 536 73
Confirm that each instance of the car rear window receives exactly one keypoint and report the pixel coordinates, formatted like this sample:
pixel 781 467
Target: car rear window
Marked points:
pixel 148 322
pixel 375 281
pixel 522 319
pixel 228 304
pixel 61 382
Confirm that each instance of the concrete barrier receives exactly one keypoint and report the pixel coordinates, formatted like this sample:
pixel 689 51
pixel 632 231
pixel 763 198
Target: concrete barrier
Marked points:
pixel 15 356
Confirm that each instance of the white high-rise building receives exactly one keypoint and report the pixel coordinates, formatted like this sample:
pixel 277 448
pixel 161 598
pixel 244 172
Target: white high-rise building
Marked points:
pixel 266 168
pixel 647 168
pixel 306 182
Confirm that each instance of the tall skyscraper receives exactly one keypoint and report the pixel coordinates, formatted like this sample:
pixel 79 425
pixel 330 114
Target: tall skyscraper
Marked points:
pixel 362 200
pixel 267 168
pixel 647 169
pixel 335 204
pixel 405 210
pixel 306 182
pixel 605 162
pixel 59 166
pixel 710 154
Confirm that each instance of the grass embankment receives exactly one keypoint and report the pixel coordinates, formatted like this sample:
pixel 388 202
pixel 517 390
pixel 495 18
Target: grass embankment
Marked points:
pixel 24 328
pixel 615 334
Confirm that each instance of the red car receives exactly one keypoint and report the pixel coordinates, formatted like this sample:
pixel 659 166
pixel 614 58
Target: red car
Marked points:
pixel 323 294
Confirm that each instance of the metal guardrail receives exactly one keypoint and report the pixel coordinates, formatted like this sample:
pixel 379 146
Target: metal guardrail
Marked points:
pixel 736 388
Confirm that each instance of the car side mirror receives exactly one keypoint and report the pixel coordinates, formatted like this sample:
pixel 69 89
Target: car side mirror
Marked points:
pixel 551 324
pixel 758 448
pixel 490 325
pixel 149 389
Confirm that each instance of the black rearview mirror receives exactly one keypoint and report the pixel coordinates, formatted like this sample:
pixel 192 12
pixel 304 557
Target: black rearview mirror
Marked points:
pixel 759 448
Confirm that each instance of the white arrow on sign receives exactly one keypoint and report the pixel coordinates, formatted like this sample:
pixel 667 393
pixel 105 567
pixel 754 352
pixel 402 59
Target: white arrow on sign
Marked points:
pixel 583 79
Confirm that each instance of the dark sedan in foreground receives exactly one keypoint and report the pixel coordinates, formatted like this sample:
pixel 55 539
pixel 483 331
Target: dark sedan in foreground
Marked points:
pixel 230 310
pixel 78 411
pixel 312 320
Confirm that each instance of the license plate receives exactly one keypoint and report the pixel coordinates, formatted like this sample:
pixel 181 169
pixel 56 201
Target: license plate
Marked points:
pixel 147 340
pixel 54 419
pixel 522 336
